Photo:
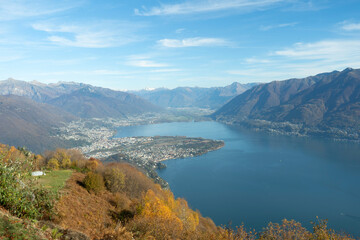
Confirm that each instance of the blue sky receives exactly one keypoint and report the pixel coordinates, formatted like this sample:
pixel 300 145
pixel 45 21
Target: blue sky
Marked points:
pixel 132 44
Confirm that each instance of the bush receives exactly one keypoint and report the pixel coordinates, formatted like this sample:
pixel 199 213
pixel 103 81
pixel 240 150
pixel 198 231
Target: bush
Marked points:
pixel 65 162
pixel 92 164
pixel 121 201
pixel 123 216
pixel 53 164
pixel 18 193
pixel 114 180
pixel 94 182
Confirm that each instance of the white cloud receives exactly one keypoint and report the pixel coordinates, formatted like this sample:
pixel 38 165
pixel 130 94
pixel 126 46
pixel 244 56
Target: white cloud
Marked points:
pixel 202 6
pixel 146 64
pixel 18 9
pixel 269 27
pixel 193 42
pixel 350 26
pixel 301 60
pixel 330 50
pixel 97 35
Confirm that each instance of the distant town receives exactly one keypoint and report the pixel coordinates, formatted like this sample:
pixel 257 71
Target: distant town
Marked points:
pixel 95 138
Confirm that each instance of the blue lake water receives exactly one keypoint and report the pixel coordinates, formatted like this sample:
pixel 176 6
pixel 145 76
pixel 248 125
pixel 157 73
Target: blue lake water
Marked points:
pixel 257 178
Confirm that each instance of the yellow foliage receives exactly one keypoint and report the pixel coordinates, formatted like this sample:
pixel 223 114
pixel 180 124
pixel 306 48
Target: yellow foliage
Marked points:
pixel 166 207
pixel 155 207
pixel 62 157
pixel 53 164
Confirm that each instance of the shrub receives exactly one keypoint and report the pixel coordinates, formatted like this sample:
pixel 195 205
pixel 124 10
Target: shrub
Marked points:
pixel 117 233
pixel 18 193
pixel 92 164
pixel 285 230
pixel 39 162
pixel 136 183
pixel 114 180
pixel 94 182
pixel 53 164
pixel 65 162
pixel 121 201
pixel 123 216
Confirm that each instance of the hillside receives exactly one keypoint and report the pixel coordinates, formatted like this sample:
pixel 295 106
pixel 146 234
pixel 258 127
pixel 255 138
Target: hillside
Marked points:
pixel 24 122
pixel 92 102
pixel 182 97
pixel 111 202
pixel 328 100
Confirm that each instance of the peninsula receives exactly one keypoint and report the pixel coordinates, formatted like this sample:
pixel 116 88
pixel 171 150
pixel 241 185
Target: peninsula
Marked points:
pixel 95 138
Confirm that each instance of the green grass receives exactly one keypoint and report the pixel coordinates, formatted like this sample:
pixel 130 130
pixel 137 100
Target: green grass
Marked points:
pixel 55 180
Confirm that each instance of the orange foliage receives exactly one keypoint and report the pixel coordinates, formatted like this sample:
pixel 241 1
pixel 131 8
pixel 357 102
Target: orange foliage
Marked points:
pixel 92 164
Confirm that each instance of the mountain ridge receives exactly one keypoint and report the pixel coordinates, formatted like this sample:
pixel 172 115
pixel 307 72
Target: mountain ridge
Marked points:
pixel 324 101
pixel 180 97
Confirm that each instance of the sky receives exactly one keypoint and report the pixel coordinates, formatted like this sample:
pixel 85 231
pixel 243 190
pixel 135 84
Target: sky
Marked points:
pixel 132 44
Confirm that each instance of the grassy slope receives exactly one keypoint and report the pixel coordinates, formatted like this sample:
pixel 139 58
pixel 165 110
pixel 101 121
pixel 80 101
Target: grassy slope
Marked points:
pixel 55 180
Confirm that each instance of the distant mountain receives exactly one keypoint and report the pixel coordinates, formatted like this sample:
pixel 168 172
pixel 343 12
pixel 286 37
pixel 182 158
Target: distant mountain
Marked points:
pixel 181 97
pixel 24 122
pixel 37 91
pixel 328 100
pixel 79 99
pixel 90 102
pixel 29 111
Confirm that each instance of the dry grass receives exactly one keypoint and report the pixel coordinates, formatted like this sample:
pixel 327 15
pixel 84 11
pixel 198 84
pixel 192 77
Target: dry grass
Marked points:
pixel 83 211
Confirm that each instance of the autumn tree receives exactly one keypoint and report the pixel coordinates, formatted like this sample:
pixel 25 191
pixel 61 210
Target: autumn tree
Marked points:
pixel 53 164
pixel 114 179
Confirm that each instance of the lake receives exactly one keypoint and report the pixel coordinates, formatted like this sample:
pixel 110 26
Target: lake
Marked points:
pixel 257 178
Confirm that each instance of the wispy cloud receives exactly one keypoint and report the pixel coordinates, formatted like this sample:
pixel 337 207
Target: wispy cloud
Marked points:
pixel 202 6
pixel 283 25
pixel 350 26
pixel 180 30
pixel 144 62
pixel 18 9
pixel 193 42
pixel 331 50
pixel 96 35
pixel 301 60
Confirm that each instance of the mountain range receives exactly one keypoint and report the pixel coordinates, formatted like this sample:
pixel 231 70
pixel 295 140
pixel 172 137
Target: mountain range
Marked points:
pixel 79 99
pixel 183 97
pixel 328 103
pixel 31 110
pixel 325 101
